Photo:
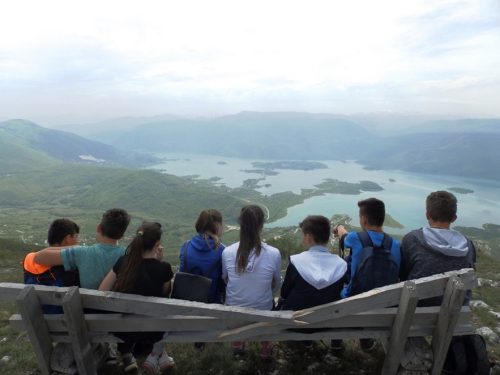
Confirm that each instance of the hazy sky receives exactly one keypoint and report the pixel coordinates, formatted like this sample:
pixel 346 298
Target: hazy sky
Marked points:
pixel 78 61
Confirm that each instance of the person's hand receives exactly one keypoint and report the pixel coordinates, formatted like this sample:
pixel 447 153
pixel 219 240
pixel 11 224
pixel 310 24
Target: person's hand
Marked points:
pixel 339 230
pixel 159 253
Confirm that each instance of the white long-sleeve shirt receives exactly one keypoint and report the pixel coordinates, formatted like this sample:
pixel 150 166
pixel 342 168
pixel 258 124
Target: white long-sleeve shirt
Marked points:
pixel 253 288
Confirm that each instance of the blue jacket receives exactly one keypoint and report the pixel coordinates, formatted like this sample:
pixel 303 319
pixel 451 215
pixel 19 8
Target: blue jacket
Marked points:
pixel 201 257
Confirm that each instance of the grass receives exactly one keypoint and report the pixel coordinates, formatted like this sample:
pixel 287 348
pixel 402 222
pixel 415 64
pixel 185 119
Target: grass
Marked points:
pixel 287 358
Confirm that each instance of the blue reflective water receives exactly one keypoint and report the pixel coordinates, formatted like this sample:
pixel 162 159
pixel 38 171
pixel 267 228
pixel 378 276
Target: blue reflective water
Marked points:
pixel 404 198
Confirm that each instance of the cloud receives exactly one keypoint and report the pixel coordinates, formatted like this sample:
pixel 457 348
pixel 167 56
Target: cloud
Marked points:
pixel 125 58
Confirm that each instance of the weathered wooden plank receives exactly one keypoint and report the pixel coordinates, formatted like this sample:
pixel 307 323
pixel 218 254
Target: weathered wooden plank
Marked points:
pixel 402 323
pixel 285 335
pixel 38 332
pixel 207 336
pixel 372 300
pixel 427 287
pixel 424 316
pixel 77 329
pixel 151 306
pixel 450 307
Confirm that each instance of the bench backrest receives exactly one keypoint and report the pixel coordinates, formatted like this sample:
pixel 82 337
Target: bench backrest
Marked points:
pixel 366 315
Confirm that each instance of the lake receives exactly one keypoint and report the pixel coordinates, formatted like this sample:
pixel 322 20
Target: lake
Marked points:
pixel 404 198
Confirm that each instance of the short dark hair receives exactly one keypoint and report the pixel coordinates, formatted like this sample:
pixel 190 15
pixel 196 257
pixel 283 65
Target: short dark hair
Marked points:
pixel 114 223
pixel 59 229
pixel 441 206
pixel 374 211
pixel 318 227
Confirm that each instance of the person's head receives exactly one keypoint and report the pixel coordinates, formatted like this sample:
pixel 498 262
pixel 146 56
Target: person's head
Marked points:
pixel 146 240
pixel 315 230
pixel 371 213
pixel 441 207
pixel 210 224
pixel 114 223
pixel 63 232
pixel 251 223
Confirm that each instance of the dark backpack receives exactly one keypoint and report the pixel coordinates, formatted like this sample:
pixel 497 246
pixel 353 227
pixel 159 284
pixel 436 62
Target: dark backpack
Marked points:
pixel 376 267
pixel 467 355
pixel 54 276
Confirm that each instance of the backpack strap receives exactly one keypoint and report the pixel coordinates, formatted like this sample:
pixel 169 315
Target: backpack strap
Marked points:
pixel 366 240
pixel 217 262
pixel 387 242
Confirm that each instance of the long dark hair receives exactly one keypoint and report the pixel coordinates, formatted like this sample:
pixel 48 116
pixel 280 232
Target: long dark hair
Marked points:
pixel 207 225
pixel 251 222
pixel 146 238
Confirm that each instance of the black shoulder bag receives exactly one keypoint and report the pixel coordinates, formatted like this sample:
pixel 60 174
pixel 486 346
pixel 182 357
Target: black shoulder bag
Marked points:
pixel 191 287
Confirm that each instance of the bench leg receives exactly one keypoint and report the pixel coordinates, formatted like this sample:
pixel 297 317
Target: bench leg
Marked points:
pixel 77 329
pixel 447 319
pixel 36 327
pixel 402 322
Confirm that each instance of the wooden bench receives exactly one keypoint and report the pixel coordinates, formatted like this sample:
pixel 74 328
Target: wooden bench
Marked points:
pixel 367 315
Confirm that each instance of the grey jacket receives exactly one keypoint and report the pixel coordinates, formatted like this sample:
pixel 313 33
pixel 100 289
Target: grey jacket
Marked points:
pixel 431 251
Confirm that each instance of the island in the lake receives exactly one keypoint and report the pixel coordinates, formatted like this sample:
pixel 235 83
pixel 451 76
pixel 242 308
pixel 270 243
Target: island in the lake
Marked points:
pixel 333 186
pixel 460 190
pixel 221 162
pixel 300 165
pixel 392 180
pixel 266 172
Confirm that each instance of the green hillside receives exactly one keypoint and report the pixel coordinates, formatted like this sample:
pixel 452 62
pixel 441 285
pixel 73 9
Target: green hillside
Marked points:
pixel 30 201
pixel 26 146
pixel 16 157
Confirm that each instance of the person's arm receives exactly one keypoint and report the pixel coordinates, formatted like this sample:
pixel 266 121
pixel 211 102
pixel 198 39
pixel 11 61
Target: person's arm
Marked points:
pixel 352 242
pixel 404 270
pixel 474 255
pixel 167 281
pixel 50 256
pixel 289 281
pixel 275 285
pixel 341 233
pixel 109 281
pixel 181 257
pixel 166 289
pixel 224 268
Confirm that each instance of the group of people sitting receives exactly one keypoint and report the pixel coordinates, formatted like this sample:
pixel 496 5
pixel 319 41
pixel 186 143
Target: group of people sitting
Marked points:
pixel 249 271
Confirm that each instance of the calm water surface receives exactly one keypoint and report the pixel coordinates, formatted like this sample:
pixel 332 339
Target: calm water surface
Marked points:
pixel 404 198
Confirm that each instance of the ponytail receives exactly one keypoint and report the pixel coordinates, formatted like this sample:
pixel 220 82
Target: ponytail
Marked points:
pixel 145 239
pixel 251 222
pixel 207 225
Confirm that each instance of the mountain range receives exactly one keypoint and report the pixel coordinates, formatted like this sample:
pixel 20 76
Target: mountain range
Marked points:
pixel 25 146
pixel 465 147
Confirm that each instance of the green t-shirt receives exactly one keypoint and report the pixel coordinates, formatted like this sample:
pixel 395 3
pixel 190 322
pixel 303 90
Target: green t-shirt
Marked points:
pixel 93 262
